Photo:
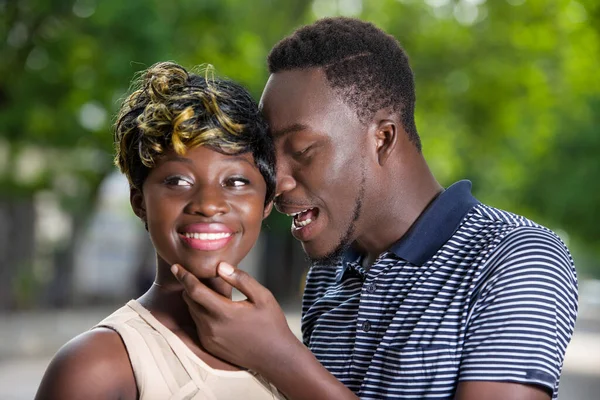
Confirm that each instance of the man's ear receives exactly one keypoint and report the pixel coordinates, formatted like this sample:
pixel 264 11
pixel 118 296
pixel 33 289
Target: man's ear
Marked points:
pixel 268 209
pixel 386 137
pixel 138 205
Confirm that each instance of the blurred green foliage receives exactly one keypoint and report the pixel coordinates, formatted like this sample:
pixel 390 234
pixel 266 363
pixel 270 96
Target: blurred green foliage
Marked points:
pixel 508 93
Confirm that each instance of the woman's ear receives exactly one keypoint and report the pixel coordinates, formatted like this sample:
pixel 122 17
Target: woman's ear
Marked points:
pixel 138 205
pixel 268 209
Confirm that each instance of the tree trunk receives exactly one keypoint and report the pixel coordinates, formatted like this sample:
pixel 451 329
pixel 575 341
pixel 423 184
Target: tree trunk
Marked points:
pixel 17 246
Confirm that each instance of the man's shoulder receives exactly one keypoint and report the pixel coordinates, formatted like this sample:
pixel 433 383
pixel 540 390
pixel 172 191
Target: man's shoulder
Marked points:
pixel 508 243
pixel 489 215
pixel 505 229
pixel 525 251
pixel 518 232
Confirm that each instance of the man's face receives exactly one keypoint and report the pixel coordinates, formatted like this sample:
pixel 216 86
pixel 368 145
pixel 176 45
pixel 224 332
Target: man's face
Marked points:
pixel 320 147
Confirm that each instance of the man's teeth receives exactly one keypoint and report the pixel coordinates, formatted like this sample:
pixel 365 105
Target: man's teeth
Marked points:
pixel 301 224
pixel 298 213
pixel 206 236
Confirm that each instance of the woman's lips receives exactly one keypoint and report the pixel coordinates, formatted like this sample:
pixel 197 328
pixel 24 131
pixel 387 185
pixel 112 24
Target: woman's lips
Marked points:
pixel 212 227
pixel 206 244
pixel 206 237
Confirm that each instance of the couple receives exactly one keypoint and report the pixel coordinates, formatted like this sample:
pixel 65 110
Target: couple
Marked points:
pixel 415 292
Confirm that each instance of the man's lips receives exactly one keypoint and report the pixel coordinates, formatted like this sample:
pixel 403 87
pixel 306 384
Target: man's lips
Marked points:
pixel 304 216
pixel 206 237
pixel 290 209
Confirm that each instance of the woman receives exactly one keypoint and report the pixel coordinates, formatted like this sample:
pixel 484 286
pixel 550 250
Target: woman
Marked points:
pixel 200 165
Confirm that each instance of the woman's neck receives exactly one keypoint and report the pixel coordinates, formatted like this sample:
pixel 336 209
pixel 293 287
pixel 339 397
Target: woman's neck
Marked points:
pixel 165 300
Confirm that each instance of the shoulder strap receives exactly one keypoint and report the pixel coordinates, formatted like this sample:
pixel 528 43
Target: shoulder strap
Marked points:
pixel 144 354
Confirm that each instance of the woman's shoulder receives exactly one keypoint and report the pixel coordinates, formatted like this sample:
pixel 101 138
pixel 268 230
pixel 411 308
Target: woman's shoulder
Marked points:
pixel 93 365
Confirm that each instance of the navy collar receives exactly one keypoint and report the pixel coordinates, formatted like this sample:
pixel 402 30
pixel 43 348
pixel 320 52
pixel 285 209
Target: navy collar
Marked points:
pixel 434 227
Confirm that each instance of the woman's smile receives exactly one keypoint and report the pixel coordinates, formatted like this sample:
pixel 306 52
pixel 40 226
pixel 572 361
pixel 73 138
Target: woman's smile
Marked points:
pixel 207 236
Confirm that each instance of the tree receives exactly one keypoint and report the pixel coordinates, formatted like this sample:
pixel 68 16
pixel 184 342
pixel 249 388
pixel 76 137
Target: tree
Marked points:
pixel 63 69
pixel 507 97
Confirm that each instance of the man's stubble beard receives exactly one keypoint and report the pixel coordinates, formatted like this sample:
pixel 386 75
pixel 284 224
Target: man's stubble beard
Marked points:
pixel 336 255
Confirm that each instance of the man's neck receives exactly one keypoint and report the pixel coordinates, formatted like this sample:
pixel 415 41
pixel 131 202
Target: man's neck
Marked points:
pixel 397 210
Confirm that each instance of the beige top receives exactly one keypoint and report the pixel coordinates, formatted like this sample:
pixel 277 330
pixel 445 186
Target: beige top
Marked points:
pixel 165 368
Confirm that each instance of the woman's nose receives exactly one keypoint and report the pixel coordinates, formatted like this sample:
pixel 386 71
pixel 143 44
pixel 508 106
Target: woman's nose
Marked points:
pixel 208 202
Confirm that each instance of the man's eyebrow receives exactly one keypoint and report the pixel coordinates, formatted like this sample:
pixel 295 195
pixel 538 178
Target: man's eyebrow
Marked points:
pixel 290 129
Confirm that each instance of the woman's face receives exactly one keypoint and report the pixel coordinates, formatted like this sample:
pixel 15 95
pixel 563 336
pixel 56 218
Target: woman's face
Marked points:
pixel 202 208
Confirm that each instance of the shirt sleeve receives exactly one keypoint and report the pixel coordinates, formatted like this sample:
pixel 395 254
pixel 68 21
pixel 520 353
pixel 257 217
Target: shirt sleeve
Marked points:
pixel 524 312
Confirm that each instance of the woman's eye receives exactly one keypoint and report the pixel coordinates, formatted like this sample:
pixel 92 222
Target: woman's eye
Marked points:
pixel 177 181
pixel 237 182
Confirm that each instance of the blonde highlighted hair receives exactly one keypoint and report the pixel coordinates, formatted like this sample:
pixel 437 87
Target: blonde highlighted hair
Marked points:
pixel 172 109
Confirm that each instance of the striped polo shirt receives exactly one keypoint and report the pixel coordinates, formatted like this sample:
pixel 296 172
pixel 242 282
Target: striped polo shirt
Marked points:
pixel 470 293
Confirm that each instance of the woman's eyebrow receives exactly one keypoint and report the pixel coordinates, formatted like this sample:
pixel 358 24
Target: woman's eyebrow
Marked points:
pixel 231 158
pixel 239 158
pixel 178 159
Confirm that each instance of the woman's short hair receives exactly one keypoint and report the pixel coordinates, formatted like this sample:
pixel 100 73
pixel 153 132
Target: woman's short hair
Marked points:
pixel 173 109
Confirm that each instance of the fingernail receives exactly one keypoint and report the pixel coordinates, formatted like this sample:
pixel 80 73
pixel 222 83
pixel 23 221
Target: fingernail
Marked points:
pixel 225 269
pixel 174 269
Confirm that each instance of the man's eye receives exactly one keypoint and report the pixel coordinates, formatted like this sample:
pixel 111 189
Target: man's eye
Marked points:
pixel 302 152
pixel 237 182
pixel 177 181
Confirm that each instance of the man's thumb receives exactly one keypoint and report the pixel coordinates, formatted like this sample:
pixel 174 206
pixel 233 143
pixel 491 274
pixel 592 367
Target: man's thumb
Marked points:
pixel 241 281
pixel 225 270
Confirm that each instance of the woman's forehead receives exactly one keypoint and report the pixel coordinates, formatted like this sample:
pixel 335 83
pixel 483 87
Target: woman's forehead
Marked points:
pixel 200 154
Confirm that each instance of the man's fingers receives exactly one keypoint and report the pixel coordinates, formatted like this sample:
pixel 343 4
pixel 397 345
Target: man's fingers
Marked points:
pixel 243 282
pixel 197 291
pixel 192 305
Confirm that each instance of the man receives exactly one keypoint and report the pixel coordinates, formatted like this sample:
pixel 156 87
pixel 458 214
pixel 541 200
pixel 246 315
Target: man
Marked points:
pixel 415 291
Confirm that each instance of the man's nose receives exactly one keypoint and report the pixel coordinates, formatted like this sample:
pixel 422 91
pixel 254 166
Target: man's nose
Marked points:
pixel 285 180
pixel 208 201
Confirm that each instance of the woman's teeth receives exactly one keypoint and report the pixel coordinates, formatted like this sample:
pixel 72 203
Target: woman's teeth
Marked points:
pixel 206 236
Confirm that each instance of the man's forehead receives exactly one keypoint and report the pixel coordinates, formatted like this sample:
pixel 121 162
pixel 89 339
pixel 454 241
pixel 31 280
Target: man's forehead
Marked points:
pixel 295 97
pixel 299 85
pixel 302 77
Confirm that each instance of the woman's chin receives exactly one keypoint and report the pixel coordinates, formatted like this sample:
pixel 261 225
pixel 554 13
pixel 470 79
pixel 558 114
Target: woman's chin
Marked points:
pixel 208 268
pixel 203 270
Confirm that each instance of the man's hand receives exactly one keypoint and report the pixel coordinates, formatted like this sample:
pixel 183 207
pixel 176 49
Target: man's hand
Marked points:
pixel 248 333
pixel 254 334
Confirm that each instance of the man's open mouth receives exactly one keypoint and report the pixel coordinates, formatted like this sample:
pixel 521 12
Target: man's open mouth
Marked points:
pixel 304 218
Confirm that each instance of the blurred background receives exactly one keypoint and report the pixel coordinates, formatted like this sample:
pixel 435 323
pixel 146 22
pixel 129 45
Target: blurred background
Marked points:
pixel 508 96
